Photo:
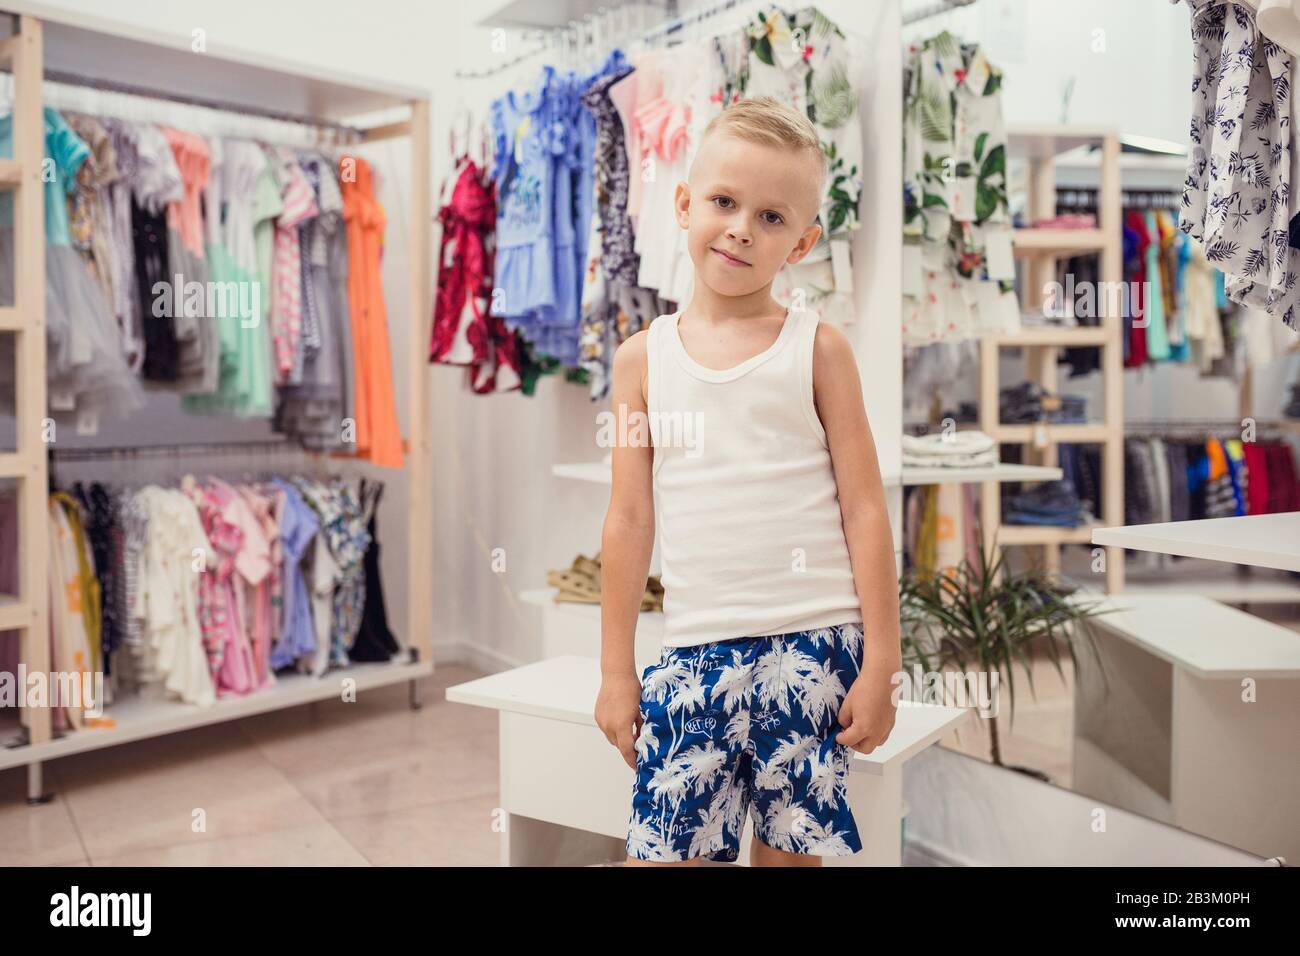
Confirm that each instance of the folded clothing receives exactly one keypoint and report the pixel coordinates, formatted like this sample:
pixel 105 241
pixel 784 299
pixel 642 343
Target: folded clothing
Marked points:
pixel 961 449
pixel 1050 503
pixel 1030 402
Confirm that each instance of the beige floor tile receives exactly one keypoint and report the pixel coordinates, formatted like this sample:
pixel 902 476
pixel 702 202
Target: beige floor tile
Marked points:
pixel 393 777
pixel 44 835
pixel 144 795
pixel 317 845
pixel 447 833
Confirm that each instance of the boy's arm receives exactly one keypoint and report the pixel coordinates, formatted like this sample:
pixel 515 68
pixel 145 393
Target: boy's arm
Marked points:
pixel 837 392
pixel 626 545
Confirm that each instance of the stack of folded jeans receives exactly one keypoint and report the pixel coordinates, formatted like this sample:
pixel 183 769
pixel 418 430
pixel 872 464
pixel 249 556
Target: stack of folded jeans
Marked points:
pixel 1052 503
pixel 1029 402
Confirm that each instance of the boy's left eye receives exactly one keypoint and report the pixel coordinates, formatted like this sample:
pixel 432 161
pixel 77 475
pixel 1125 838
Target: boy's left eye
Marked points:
pixel 776 219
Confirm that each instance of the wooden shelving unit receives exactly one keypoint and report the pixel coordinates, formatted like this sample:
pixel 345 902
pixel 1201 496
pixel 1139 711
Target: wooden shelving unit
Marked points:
pixel 1038 250
pixel 39 42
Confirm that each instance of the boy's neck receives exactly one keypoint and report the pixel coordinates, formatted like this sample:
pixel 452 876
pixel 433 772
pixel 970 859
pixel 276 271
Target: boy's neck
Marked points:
pixel 711 306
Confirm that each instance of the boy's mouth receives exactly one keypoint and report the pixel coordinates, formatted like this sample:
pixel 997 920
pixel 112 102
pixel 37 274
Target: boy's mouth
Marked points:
pixel 729 259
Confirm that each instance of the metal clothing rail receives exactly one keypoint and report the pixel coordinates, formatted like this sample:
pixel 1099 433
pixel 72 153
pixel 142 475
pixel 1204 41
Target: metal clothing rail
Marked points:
pixel 112 86
pixel 184 448
pixel 934 10
pixel 595 26
pixel 1209 425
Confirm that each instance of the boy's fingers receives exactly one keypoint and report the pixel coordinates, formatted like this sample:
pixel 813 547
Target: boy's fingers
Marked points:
pixel 852 734
pixel 626 748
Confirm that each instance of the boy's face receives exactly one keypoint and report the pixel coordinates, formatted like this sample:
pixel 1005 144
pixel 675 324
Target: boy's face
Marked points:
pixel 748 210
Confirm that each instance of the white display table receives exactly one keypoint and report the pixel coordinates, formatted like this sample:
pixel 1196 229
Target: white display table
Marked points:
pixel 1196 721
pixel 558 770
pixel 1265 541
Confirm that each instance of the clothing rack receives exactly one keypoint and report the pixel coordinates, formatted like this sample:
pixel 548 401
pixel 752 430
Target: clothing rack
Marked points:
pixel 110 86
pixel 190 448
pixel 1157 426
pixel 29 40
pixel 1076 198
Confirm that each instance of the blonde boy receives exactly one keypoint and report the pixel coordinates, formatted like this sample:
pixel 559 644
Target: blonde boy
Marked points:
pixel 781 602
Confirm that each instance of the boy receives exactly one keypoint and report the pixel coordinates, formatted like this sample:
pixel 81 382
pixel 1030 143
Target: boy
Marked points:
pixel 776 549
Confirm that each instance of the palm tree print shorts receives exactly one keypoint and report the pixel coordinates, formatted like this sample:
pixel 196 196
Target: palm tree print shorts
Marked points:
pixel 745 725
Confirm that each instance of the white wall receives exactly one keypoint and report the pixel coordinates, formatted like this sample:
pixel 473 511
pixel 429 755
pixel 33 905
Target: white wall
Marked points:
pixel 1130 61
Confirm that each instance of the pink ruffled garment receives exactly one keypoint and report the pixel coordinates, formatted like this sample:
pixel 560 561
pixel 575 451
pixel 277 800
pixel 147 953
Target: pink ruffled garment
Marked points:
pixel 267 597
pixel 641 86
pixel 663 123
pixel 240 674
pixel 217 610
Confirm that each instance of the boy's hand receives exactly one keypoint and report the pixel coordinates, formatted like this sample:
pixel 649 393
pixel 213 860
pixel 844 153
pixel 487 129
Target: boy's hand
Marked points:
pixel 618 713
pixel 867 713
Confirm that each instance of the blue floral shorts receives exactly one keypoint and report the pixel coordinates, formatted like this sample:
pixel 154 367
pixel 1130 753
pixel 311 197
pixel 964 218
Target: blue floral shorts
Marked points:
pixel 746 725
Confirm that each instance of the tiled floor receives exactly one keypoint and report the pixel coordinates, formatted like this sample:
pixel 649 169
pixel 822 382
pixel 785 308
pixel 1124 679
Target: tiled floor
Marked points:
pixel 365 783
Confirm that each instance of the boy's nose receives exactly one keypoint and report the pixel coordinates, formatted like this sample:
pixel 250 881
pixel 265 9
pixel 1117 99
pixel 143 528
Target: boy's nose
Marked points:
pixel 738 233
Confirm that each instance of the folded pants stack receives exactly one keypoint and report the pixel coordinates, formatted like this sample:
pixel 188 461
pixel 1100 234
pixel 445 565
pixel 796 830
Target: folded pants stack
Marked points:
pixel 1053 503
pixel 1029 402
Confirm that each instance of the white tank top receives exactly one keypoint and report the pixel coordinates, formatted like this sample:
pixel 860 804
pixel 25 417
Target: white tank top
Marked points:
pixel 751 542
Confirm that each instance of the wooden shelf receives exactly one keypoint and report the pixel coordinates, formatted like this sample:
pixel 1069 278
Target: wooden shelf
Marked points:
pixel 1055 434
pixel 1073 335
pixel 599 473
pixel 919 475
pixel 1266 541
pixel 1057 242
pixel 1047 142
pixel 136 718
pixel 111 52
pixel 1044 534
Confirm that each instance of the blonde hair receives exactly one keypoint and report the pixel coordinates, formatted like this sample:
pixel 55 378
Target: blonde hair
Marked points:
pixel 770 122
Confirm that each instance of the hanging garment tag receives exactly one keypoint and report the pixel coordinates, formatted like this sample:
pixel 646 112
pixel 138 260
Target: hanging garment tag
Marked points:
pixel 88 421
pixel 1040 435
pixel 62 401
pixel 1001 262
pixel 840 267
pixel 912 284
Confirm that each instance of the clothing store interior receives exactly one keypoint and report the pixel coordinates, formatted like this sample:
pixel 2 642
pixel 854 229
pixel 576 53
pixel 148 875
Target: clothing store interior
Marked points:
pixel 307 331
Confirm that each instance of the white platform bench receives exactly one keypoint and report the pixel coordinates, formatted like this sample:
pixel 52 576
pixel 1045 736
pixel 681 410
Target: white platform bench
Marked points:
pixel 1170 733
pixel 559 771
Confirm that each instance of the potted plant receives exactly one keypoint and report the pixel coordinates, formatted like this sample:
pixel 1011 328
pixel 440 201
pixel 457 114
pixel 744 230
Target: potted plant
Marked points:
pixel 985 618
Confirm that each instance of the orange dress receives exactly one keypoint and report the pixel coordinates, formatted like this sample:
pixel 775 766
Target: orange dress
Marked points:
pixel 378 436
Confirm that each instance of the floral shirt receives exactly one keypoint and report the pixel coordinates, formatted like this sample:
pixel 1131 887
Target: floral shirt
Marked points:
pixel 804 59
pixel 954 195
pixel 1237 191
pixel 344 530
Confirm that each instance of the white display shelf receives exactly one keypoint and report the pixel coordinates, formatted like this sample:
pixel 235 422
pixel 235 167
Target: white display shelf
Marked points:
pixel 545 597
pixel 599 473
pixel 1206 638
pixel 1045 142
pixel 920 475
pixel 1269 541
pixel 137 718
pixel 1226 583
pixel 84 44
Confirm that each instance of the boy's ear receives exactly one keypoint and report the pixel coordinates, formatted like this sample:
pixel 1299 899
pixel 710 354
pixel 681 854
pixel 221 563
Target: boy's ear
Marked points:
pixel 805 244
pixel 682 204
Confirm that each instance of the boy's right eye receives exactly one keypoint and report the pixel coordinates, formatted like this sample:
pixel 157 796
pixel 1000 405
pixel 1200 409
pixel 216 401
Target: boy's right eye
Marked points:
pixel 719 200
